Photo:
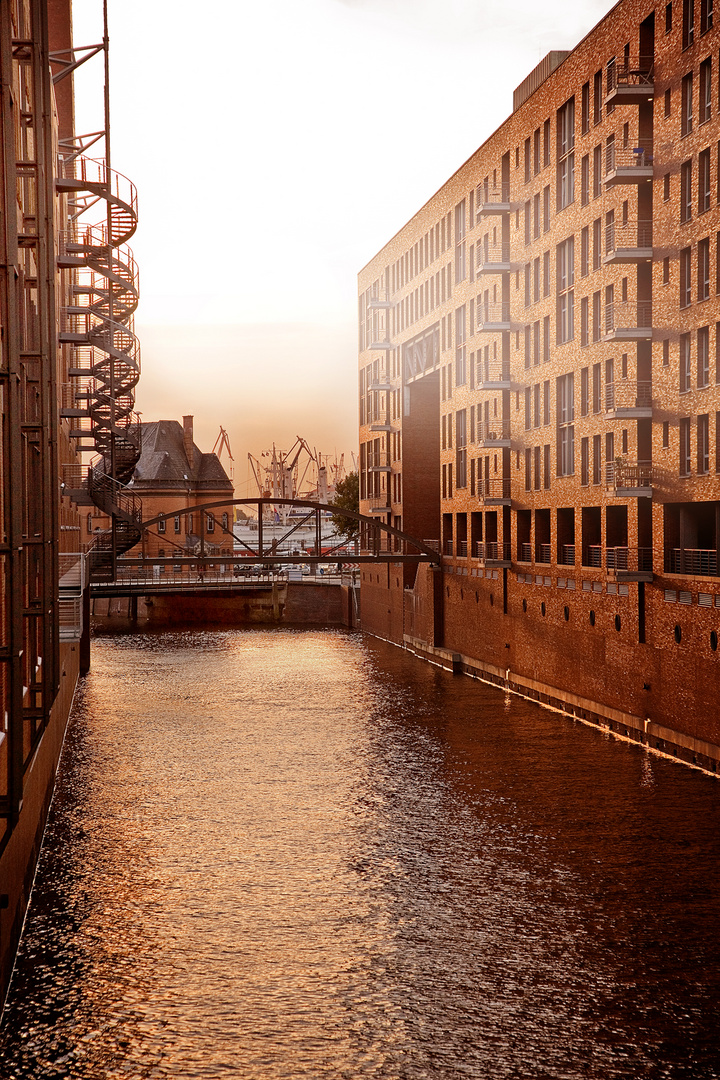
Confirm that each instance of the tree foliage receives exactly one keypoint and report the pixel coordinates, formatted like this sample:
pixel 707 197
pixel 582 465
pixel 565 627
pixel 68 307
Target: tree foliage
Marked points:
pixel 347 497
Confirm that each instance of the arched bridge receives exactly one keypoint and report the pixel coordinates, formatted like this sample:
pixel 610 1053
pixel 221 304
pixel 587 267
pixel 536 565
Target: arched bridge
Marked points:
pixel 376 542
pixel 217 559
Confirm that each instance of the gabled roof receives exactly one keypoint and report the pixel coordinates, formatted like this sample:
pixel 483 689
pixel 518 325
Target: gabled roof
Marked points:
pixel 163 462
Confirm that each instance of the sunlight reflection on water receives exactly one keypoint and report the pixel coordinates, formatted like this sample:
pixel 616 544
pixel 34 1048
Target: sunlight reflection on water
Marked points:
pixel 307 854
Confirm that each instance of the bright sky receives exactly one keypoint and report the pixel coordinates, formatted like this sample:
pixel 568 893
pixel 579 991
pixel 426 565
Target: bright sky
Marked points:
pixel 276 145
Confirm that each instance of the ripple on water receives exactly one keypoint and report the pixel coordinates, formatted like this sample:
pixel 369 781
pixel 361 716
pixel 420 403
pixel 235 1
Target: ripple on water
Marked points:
pixel 307 854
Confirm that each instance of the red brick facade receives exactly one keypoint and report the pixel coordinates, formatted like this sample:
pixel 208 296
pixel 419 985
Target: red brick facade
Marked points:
pixel 540 388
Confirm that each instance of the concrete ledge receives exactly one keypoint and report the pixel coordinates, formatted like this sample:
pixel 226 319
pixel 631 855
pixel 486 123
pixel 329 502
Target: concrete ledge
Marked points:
pixel 659 739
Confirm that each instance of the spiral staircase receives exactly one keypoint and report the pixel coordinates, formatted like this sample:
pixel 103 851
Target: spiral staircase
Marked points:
pixel 105 367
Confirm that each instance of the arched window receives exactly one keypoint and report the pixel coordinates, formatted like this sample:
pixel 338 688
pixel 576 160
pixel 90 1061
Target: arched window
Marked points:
pixel 211 523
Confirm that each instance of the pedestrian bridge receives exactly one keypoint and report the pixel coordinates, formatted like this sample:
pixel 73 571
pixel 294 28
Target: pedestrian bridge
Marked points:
pixel 223 563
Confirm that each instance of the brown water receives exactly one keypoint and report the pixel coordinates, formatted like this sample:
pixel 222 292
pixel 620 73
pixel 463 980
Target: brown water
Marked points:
pixel 278 854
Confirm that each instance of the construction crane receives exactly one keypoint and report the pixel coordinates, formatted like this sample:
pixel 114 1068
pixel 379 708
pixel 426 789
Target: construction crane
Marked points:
pixel 223 443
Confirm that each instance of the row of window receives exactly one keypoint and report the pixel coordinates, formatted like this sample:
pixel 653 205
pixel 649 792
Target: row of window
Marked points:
pixel 186 520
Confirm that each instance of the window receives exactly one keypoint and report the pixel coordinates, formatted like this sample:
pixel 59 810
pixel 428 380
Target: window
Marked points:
pixel 461 448
pixel 703 181
pixel 685 277
pixel 161 525
pixel 565 413
pixel 684 446
pixel 546 273
pixel 597 243
pixel 668 18
pixel 597 97
pixel 585 109
pixel 597 459
pixel 528 205
pixel 585 180
pixel 666 434
pixel 685 369
pixel 584 319
pixel 703 443
pixel 536 216
pixel 565 154
pixel 528 161
pixel 536 280
pixel 536 151
pixel 460 347
pixel 703 356
pixel 546 466
pixel 546 339
pixel 686 118
pixel 706 16
pixel 585 462
pixel 546 208
pixel 211 523
pixel 565 274
pixel 225 522
pixel 686 191
pixel 584 251
pixel 597 387
pixel 666 187
pixel 688 29
pixel 705 102
pixel 597 315
pixel 597 172
pixel 703 279
pixel 528 469
pixel 176 523
pixel 460 219
pixel 666 270
pixel 584 391
pixel 546 402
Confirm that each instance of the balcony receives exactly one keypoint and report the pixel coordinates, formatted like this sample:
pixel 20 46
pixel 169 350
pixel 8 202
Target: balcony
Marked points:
pixel 628 400
pixel 494 201
pixel 694 562
pixel 524 553
pixel 493 318
pixel 494 433
pixel 542 554
pixel 380 301
pixel 379 382
pixel 492 554
pixel 629 564
pixel 493 261
pixel 628 165
pixel 566 555
pixel 379 340
pixel 379 462
pixel 630 242
pixel 630 480
pixel 622 563
pixel 380 425
pixel 631 81
pixel 628 321
pixel 378 507
pixel 494 491
pixel 494 375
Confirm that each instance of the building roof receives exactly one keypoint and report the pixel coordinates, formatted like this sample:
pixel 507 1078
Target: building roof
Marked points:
pixel 163 463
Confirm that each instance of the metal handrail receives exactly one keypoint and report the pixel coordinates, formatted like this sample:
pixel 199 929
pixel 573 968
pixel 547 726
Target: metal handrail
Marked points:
pixel 628 234
pixel 699 562
pixel 633 71
pixel 494 430
pixel 628 313
pixel 628 157
pixel 628 394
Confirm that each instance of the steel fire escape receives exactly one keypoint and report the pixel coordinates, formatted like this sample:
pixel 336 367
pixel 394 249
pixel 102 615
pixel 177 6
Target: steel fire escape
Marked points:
pixel 98 326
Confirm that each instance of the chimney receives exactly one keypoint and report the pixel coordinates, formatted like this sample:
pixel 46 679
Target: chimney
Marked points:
pixel 188 445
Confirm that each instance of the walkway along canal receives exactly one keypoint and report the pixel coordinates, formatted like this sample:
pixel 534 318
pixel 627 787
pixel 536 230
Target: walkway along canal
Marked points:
pixel 282 853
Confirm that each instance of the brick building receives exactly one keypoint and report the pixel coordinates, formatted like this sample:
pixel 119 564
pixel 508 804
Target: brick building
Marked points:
pixel 540 389
pixel 172 477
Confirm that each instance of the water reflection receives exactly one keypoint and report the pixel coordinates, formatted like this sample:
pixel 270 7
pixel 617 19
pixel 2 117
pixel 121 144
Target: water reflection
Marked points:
pixel 307 854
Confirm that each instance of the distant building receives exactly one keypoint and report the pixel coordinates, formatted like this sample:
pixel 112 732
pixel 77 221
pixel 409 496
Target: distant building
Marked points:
pixel 540 389
pixel 173 477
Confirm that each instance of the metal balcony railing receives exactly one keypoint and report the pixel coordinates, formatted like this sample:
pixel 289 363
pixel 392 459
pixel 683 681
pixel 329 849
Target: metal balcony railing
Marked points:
pixel 628 157
pixel 633 71
pixel 488 259
pixel 525 552
pixel 566 555
pixel 490 198
pixel 379 460
pixel 628 235
pixel 493 371
pixel 628 474
pixel 697 562
pixel 628 314
pixel 492 488
pixel 462 548
pixel 491 551
pixel 542 553
pixel 627 394
pixel 448 546
pixel 629 559
pixel 494 430
pixel 490 315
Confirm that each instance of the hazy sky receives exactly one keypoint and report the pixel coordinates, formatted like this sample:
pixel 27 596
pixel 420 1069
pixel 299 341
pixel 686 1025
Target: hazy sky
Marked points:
pixel 276 145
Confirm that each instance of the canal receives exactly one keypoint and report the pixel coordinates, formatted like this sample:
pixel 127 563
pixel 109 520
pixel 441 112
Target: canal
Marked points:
pixel 280 854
